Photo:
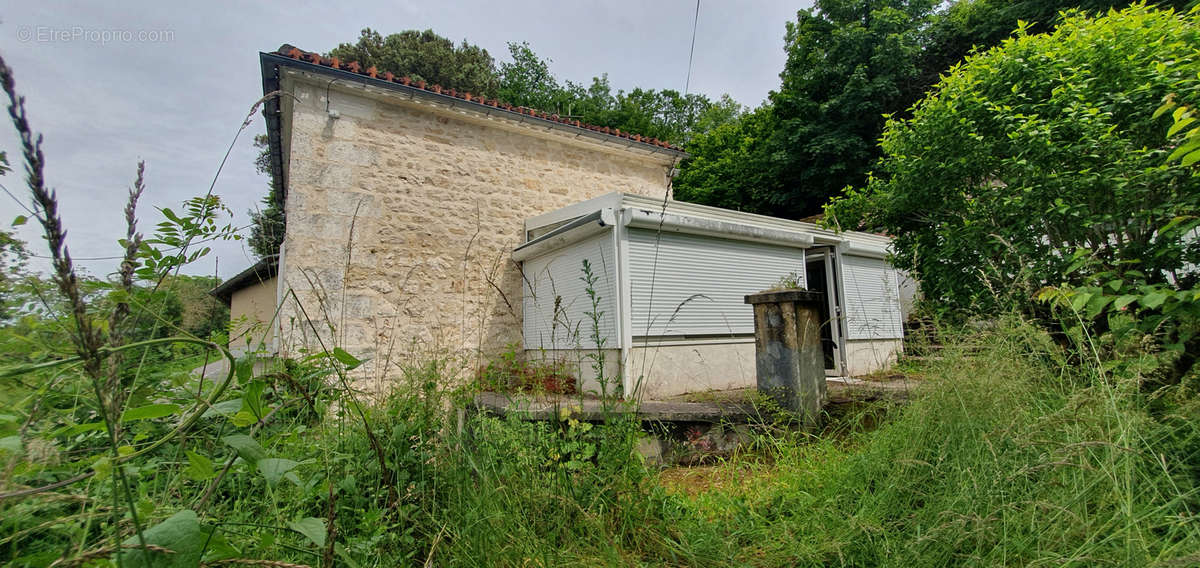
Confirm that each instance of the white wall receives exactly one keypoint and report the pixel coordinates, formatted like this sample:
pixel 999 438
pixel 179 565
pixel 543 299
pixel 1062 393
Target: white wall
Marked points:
pixel 663 369
pixel 864 357
pixel 556 301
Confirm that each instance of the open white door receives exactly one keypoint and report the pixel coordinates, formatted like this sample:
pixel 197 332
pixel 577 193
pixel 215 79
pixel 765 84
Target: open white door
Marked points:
pixel 821 275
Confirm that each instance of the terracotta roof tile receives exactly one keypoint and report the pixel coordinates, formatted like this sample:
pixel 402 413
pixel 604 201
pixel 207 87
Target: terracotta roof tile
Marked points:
pixel 373 73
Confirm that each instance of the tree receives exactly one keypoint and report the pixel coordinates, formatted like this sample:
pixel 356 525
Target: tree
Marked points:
pixel 268 225
pixel 527 80
pixel 200 314
pixel 727 166
pixel 424 56
pixel 664 114
pixel 968 24
pixel 851 63
pixel 13 258
pixel 1040 163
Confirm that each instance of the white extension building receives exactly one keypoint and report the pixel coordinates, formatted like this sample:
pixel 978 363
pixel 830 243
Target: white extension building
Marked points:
pixel 670 279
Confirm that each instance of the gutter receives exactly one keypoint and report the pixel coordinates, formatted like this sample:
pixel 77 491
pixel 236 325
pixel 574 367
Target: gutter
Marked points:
pixel 669 222
pixel 271 111
pixel 852 249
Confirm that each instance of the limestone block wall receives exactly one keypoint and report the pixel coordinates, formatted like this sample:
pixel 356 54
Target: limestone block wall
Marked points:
pixel 402 217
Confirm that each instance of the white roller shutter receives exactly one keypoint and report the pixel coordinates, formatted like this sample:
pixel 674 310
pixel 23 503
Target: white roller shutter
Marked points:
pixel 556 301
pixel 698 284
pixel 872 299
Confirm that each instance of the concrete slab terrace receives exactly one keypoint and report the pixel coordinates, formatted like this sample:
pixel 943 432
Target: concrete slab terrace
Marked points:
pixel 732 406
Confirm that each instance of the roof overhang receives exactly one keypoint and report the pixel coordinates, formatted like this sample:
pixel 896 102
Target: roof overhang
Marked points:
pixel 258 273
pixel 581 220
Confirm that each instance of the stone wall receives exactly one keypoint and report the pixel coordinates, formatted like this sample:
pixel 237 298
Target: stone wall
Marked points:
pixel 402 217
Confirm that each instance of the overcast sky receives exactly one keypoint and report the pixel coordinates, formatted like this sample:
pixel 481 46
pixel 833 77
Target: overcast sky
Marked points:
pixel 171 85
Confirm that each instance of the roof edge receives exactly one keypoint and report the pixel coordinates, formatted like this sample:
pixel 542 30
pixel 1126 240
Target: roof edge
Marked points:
pixel 291 56
pixel 261 271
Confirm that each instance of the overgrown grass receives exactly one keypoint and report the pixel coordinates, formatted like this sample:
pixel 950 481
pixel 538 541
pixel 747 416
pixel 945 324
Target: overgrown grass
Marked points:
pixel 1008 455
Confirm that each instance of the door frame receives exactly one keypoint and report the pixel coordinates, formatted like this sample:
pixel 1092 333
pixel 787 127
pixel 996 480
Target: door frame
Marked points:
pixel 837 317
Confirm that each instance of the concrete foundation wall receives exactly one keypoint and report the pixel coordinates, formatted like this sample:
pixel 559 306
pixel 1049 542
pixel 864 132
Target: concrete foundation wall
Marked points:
pixel 251 309
pixel 402 217
pixel 673 369
pixel 664 370
pixel 864 357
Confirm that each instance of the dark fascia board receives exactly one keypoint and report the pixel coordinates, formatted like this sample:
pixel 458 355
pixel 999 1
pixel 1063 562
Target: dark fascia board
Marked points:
pixel 271 111
pixel 271 62
pixel 260 272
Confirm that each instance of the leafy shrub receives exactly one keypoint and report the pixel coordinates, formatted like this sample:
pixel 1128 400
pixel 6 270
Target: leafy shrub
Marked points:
pixel 1026 153
pixel 1039 170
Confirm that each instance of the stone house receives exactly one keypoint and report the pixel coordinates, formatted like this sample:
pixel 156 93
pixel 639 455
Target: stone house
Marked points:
pixel 408 207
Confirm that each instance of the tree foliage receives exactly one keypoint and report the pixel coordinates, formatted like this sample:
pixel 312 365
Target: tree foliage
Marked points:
pixel 667 114
pixel 728 166
pixel 424 55
pixel 1042 163
pixel 850 63
pixel 268 224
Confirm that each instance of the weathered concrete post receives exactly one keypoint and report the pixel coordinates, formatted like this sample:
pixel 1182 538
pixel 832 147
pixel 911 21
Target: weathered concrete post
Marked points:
pixel 787 339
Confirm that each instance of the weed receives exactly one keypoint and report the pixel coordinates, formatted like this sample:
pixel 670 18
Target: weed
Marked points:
pixel 512 372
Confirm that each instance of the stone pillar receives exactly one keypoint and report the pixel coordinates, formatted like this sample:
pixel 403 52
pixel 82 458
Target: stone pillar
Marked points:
pixel 787 339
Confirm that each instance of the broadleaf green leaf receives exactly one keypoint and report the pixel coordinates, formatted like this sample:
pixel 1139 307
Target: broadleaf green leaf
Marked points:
pixel 1153 299
pixel 1123 301
pixel 224 408
pixel 346 359
pixel 1079 300
pixel 312 528
pixel 180 533
pixel 199 467
pixel 252 397
pixel 246 447
pixel 149 411
pixel 274 468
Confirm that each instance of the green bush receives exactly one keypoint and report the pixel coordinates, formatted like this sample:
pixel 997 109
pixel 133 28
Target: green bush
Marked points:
pixel 1029 152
